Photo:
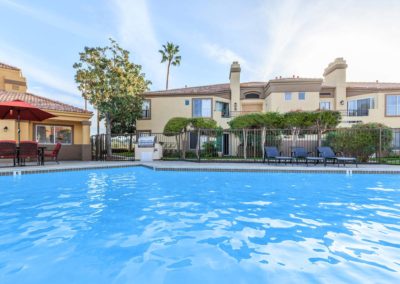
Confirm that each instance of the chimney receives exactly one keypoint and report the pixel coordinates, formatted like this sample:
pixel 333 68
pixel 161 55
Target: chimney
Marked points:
pixel 335 75
pixel 234 77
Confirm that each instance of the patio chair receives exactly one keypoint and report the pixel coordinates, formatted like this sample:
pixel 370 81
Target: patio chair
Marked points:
pixel 54 154
pixel 300 153
pixel 28 150
pixel 328 155
pixel 8 150
pixel 272 153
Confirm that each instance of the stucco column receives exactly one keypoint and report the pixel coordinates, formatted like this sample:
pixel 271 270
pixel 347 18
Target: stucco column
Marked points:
pixel 86 147
pixel 85 132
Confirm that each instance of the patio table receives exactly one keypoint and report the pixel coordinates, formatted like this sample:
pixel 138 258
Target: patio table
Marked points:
pixel 41 150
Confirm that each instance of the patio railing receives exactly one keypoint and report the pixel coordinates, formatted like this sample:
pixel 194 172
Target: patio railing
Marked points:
pixel 246 145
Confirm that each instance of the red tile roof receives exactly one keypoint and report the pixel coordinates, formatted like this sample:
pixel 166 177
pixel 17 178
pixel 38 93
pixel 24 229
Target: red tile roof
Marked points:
pixel 6 66
pixel 207 89
pixel 40 102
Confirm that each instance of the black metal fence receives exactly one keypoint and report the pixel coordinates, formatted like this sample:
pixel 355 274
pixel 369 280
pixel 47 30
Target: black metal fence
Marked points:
pixel 246 145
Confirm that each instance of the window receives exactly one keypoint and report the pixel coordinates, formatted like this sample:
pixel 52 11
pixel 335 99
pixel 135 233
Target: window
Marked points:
pixel 360 107
pixel 201 108
pixel 252 96
pixel 146 109
pixel 187 102
pixel 193 140
pixel 302 96
pixel 396 139
pixel 52 134
pixel 288 96
pixel 325 105
pixel 393 105
pixel 223 108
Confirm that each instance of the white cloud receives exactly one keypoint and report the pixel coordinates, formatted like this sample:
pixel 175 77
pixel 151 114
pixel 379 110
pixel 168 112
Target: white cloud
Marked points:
pixel 304 36
pixel 226 56
pixel 222 55
pixel 136 33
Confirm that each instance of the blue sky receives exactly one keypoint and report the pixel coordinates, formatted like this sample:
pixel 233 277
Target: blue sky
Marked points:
pixel 268 38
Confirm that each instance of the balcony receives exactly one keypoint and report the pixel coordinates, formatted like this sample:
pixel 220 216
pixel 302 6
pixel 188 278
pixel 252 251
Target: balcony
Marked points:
pixel 355 112
pixel 231 114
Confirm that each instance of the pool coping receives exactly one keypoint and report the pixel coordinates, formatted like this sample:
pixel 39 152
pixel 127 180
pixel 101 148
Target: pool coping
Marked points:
pixel 190 167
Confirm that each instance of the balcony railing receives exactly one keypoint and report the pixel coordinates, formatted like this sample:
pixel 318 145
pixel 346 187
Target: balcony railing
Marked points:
pixel 231 114
pixel 355 112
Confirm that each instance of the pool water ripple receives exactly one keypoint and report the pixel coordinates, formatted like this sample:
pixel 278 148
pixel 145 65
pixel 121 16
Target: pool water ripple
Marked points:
pixel 142 226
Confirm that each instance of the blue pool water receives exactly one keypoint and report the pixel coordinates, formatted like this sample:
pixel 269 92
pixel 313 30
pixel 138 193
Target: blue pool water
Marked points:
pixel 135 225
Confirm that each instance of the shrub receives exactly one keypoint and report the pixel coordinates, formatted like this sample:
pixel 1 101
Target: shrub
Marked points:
pixel 175 125
pixel 361 140
pixel 209 149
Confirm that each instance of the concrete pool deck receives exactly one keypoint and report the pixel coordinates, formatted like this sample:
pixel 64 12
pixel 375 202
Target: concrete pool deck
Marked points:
pixel 8 169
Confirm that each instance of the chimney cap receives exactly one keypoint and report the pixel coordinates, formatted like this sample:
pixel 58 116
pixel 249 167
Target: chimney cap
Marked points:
pixel 338 63
pixel 235 67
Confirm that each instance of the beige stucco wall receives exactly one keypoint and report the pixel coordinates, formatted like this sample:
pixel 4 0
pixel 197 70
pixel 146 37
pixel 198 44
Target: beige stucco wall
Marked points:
pixel 276 102
pixel 378 114
pixel 165 108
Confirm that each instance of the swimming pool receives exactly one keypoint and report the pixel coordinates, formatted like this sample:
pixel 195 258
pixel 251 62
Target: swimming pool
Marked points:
pixel 136 225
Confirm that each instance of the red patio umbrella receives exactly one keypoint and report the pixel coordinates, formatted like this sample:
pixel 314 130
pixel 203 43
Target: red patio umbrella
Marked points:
pixel 21 110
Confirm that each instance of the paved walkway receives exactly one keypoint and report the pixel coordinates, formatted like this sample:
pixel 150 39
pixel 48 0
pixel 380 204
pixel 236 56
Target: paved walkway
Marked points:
pixel 8 169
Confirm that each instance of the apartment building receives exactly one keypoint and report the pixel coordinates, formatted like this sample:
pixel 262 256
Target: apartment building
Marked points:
pixel 357 101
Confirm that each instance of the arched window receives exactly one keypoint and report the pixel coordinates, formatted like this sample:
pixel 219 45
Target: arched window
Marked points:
pixel 252 96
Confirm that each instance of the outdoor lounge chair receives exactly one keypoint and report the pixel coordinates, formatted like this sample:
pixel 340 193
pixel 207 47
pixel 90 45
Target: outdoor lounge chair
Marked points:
pixel 8 150
pixel 300 153
pixel 328 155
pixel 272 153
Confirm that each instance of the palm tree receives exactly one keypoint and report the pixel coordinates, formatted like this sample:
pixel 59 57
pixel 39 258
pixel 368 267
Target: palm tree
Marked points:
pixel 169 54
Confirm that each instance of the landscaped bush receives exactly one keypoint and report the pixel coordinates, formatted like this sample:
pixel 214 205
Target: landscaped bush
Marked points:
pixel 361 140
pixel 209 149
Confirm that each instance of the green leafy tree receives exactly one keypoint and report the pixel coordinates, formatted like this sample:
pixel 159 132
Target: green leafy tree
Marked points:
pixel 324 120
pixel 199 123
pixel 296 121
pixel 111 83
pixel 178 127
pixel 263 121
pixel 169 54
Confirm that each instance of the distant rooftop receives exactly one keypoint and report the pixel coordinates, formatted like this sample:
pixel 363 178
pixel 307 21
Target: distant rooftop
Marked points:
pixel 6 66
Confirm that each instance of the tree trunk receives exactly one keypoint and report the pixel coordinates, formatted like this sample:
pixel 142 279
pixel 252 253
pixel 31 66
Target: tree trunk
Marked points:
pixel 263 134
pixel 98 122
pixel 198 145
pixel 319 137
pixel 108 136
pixel 166 85
pixel 184 144
pixel 295 135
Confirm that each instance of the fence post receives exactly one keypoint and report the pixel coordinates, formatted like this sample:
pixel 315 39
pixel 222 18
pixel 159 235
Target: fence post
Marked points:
pixel 380 144
pixel 198 145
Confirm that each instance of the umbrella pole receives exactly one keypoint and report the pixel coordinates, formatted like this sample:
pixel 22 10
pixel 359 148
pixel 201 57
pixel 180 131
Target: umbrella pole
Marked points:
pixel 19 127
